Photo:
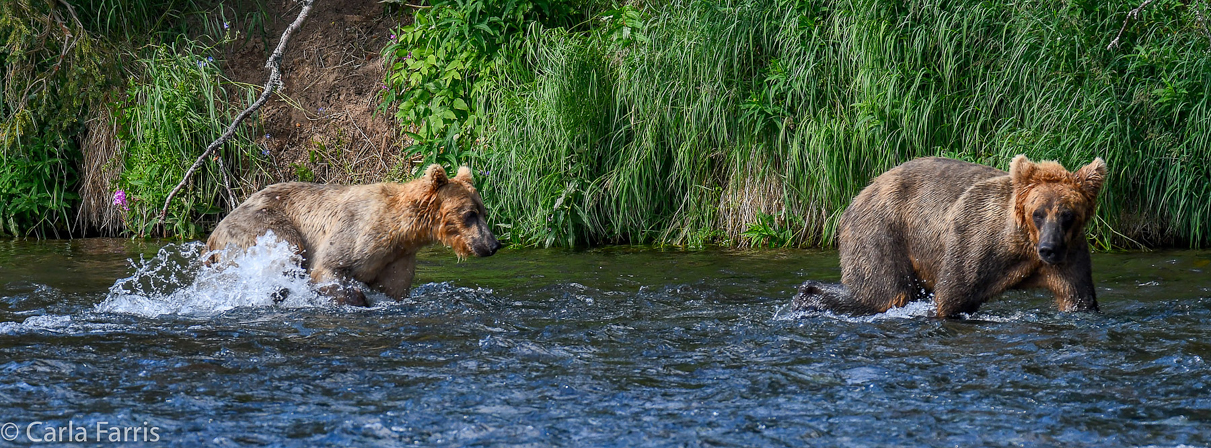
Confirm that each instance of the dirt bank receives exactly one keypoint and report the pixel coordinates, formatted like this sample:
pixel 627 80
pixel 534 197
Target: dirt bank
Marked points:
pixel 322 126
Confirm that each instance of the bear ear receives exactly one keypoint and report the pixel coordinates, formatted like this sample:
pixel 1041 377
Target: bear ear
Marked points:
pixel 1091 177
pixel 436 176
pixel 1020 170
pixel 464 176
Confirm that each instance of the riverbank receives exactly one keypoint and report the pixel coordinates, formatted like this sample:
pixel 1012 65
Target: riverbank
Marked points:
pixel 688 123
pixel 98 145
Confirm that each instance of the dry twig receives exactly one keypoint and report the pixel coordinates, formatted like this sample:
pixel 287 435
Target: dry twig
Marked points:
pixel 1134 13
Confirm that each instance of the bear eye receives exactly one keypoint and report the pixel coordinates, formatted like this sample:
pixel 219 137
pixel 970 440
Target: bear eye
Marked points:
pixel 469 218
pixel 1066 218
pixel 1039 216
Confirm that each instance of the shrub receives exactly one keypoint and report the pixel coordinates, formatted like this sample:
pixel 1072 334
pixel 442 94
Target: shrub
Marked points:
pixel 440 67
pixel 52 70
pixel 734 122
pixel 174 107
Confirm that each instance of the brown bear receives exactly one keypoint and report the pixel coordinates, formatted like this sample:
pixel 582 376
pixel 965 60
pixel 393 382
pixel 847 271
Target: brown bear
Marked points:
pixel 966 233
pixel 368 233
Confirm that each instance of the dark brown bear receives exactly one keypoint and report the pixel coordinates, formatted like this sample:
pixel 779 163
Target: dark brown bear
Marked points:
pixel 368 233
pixel 966 233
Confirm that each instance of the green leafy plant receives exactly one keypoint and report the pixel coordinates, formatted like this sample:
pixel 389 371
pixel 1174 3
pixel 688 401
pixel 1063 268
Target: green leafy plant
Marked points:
pixel 173 109
pixel 771 231
pixel 35 195
pixel 625 26
pixel 52 69
pixel 439 62
pixel 440 67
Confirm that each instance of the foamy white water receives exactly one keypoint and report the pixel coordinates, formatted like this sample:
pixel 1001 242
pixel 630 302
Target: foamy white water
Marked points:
pixel 36 323
pixel 60 324
pixel 176 281
pixel 921 308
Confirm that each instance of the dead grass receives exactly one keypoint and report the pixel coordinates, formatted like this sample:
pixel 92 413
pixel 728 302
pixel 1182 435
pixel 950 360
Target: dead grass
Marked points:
pixel 99 174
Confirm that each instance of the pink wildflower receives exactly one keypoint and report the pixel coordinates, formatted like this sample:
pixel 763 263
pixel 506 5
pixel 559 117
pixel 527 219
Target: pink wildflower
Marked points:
pixel 120 199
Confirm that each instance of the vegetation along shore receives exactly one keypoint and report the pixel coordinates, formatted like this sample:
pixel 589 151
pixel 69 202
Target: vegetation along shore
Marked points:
pixel 685 123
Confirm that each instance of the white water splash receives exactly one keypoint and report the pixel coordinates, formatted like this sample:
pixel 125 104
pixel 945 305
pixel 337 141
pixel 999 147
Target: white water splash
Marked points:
pixel 36 323
pixel 54 323
pixel 176 281
pixel 912 310
pixel 1016 316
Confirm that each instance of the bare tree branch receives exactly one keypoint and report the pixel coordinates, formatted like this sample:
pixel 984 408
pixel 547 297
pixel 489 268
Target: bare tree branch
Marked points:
pixel 274 82
pixel 1134 13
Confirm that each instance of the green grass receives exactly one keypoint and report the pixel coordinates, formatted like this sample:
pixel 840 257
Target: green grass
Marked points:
pixel 50 71
pixel 64 62
pixel 735 122
pixel 174 107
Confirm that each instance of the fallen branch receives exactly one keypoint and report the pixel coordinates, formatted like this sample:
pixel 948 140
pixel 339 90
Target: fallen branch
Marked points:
pixel 274 82
pixel 1135 13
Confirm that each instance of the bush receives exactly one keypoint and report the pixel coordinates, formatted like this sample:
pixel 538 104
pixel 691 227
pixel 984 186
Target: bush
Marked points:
pixel 745 122
pixel 34 186
pixel 52 70
pixel 441 66
pixel 174 108
pixel 59 67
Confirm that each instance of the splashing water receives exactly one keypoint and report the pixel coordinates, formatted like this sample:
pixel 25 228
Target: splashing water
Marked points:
pixel 913 310
pixel 177 281
pixel 33 323
pixel 606 347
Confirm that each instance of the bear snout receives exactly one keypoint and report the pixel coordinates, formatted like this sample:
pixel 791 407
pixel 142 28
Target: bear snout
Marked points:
pixel 486 250
pixel 1051 246
pixel 1051 253
pixel 1079 306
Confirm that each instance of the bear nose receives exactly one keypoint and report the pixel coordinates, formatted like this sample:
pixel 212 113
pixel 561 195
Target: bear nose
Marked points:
pixel 1049 253
pixel 495 247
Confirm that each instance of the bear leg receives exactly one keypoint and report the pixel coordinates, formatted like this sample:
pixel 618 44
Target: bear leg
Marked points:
pixel 1072 283
pixel 336 286
pixel 963 284
pixel 879 274
pixel 395 280
pixel 344 293
pixel 242 228
pixel 952 302
pixel 820 296
pixel 283 229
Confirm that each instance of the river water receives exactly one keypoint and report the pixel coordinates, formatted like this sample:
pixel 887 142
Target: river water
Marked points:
pixel 608 347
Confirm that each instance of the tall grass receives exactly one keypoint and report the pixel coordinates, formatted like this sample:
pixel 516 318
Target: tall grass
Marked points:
pixel 138 21
pixel 49 73
pixel 64 66
pixel 175 105
pixel 736 122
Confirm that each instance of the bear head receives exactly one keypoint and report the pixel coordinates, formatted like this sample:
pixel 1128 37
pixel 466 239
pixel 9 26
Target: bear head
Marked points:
pixel 1053 205
pixel 461 217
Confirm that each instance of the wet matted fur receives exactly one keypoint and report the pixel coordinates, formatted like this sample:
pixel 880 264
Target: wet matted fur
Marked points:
pixel 966 233
pixel 368 233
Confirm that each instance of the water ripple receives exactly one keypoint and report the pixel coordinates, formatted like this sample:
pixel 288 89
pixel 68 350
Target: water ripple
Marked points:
pixel 600 348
